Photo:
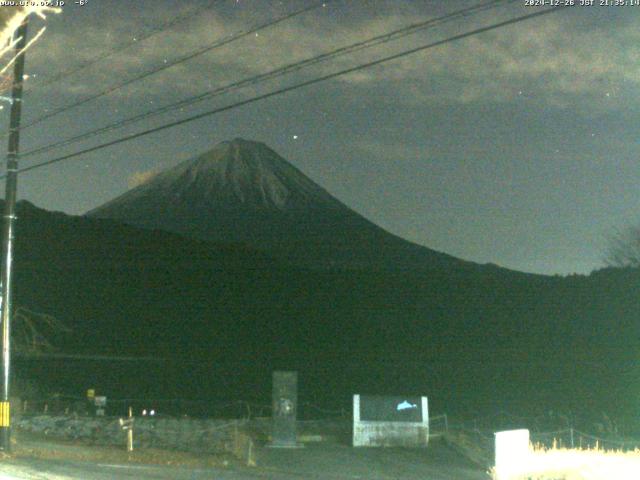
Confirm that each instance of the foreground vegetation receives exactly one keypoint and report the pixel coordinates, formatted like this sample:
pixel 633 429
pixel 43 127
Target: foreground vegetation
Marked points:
pixel 574 464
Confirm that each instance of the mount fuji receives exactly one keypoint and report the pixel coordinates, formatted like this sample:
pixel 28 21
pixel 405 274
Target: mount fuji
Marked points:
pixel 243 192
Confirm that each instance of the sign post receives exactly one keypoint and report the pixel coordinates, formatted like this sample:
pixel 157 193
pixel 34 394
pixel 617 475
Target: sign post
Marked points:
pixel 284 410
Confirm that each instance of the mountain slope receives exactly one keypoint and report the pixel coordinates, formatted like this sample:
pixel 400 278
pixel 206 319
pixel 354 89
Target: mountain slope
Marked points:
pixel 244 192
pixel 221 318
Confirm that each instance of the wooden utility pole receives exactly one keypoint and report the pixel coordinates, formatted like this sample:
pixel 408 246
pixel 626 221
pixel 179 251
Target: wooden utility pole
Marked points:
pixel 8 233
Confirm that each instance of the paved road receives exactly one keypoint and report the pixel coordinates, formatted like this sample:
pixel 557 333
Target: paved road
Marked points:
pixel 321 461
pixel 341 462
pixel 28 469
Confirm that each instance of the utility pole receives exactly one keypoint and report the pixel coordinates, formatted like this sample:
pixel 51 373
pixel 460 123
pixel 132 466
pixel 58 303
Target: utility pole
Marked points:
pixel 8 233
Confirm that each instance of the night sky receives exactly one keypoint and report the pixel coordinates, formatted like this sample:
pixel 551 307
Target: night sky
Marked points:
pixel 517 146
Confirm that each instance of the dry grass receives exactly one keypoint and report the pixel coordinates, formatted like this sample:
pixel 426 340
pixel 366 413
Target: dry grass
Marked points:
pixel 574 464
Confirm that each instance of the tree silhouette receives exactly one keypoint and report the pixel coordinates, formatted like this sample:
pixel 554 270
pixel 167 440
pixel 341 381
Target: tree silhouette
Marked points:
pixel 33 332
pixel 624 248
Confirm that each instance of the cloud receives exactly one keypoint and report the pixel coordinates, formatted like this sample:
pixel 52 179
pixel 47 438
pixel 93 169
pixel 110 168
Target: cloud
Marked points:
pixel 138 178
pixel 549 58
pixel 300 38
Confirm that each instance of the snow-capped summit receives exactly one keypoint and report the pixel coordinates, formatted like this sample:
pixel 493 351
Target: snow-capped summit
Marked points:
pixel 242 191
pixel 234 173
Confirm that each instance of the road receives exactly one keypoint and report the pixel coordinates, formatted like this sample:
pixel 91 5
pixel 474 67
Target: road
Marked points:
pixel 316 461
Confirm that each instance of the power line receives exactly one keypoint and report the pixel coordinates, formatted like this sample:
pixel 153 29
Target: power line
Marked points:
pixel 295 66
pixel 109 53
pixel 292 87
pixel 178 61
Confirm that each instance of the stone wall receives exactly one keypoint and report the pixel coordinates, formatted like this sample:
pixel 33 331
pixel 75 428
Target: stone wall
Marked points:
pixel 186 434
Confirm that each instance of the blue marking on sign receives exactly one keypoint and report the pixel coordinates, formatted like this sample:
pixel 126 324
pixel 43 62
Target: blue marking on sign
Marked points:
pixel 406 406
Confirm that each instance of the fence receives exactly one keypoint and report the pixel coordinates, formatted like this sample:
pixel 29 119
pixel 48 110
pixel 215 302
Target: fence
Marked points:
pixel 475 438
pixel 174 407
pixel 551 427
